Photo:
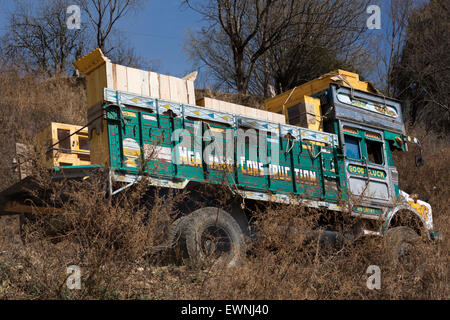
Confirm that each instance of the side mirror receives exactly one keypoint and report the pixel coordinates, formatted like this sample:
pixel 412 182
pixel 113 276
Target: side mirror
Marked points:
pixel 419 159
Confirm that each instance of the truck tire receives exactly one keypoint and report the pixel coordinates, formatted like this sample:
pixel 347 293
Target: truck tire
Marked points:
pixel 211 234
pixel 174 246
pixel 401 242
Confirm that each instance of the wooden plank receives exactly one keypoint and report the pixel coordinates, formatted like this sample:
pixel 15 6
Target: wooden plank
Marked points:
pixel 233 108
pixel 121 74
pixel 278 118
pixel 253 113
pixel 15 207
pixel 134 80
pixel 164 87
pixel 182 92
pixel 216 104
pixel 226 107
pixel 114 70
pixel 102 82
pixel 262 114
pixel 109 75
pixel 179 84
pixel 173 83
pixel 190 92
pixel 153 85
pixel 145 85
pixel 96 81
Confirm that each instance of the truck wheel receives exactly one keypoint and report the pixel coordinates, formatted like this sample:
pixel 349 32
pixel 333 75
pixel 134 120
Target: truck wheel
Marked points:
pixel 401 242
pixel 173 247
pixel 213 234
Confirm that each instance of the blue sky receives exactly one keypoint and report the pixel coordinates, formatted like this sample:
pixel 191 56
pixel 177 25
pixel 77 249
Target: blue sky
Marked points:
pixel 157 32
pixel 159 29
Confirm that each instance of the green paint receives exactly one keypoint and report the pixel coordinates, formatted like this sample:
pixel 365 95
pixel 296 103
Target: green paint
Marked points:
pixel 316 172
pixel 363 172
pixel 391 137
pixel 367 210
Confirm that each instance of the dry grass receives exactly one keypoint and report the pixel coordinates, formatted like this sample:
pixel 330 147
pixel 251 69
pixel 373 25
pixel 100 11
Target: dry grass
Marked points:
pixel 28 105
pixel 108 240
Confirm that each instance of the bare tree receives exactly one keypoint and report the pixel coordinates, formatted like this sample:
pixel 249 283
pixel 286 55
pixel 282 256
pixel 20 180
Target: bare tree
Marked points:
pixel 38 40
pixel 103 16
pixel 326 35
pixel 421 75
pixel 230 47
pixel 254 45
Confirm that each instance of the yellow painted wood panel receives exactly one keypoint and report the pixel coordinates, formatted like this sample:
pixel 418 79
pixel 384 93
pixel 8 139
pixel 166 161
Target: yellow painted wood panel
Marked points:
pixel 49 136
pixel 100 146
pixel 294 96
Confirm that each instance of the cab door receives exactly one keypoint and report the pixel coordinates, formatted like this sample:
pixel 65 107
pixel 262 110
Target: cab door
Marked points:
pixel 366 165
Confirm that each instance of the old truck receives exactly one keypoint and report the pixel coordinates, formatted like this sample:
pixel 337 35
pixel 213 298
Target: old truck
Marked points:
pixel 326 144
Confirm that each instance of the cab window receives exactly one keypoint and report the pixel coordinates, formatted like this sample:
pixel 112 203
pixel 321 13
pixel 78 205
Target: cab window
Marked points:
pixel 375 151
pixel 352 149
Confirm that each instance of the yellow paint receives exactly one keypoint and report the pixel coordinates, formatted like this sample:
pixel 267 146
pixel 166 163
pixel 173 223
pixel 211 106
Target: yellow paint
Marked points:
pixel 99 144
pixel 73 156
pixel 131 152
pixel 214 129
pixel 303 94
pixel 421 209
pixel 373 135
pixel 95 82
pixel 129 114
pixel 91 61
pixel 350 130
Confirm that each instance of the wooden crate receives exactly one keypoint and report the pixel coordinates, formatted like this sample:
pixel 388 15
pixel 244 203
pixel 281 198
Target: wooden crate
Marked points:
pixel 73 151
pixel 309 107
pixel 240 110
pixel 101 73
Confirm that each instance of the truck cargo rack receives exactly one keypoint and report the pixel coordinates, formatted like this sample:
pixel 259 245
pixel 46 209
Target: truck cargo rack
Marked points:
pixel 160 106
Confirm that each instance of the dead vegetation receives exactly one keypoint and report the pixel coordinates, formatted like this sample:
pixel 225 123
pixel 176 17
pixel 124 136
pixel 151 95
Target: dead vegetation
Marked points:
pixel 110 240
